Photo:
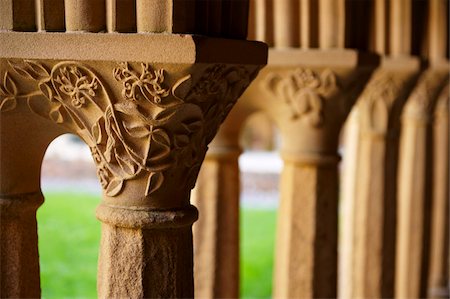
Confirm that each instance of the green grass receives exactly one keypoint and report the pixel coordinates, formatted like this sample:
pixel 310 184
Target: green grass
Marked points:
pixel 257 241
pixel 69 235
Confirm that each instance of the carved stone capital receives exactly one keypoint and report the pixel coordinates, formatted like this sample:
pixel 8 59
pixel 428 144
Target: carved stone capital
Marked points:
pixel 310 95
pixel 421 103
pixel 143 122
pixel 383 98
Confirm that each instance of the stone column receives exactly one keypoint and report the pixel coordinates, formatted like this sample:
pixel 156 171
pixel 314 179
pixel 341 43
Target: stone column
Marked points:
pixel 19 258
pixel 380 106
pixel 414 184
pixel 216 234
pixel 438 275
pixel 148 126
pixel 308 101
pixel 22 149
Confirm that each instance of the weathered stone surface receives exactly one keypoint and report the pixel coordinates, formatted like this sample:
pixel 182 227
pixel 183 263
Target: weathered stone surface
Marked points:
pixel 216 234
pixel 145 254
pixel 414 183
pixel 374 214
pixel 439 247
pixel 306 244
pixel 19 257
pixel 147 122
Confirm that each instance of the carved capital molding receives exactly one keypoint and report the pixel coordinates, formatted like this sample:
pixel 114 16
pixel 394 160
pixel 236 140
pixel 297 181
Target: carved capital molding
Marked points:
pixel 142 122
pixel 422 101
pixel 308 104
pixel 304 91
pixel 382 100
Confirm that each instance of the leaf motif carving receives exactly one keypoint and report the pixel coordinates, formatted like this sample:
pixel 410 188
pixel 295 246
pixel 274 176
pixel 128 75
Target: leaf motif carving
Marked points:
pixel 9 85
pixel 125 164
pixel 114 187
pixel 137 131
pixel 154 127
pixel 155 181
pixel 96 132
pixel 31 70
pixel 56 115
pixel 8 104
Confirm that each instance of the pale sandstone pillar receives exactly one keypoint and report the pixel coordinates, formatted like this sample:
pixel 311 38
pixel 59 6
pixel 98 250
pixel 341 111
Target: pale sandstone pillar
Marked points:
pixel 331 23
pixel 216 195
pixel 22 149
pixel 285 21
pixel 347 202
pixel 154 15
pixel 121 15
pixel 19 258
pixel 309 26
pixel 400 27
pixel 261 21
pixel 18 15
pixel 414 183
pixel 147 125
pixel 438 286
pixel 380 34
pixel 380 106
pixel 145 253
pixel 50 15
pixel 216 234
pixel 308 97
pixel 438 29
pixel 306 243
pixel 85 15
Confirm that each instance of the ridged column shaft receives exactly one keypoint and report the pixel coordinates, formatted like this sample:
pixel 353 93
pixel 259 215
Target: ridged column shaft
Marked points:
pixel 154 15
pixel 216 234
pixel 306 242
pixel 414 184
pixel 85 15
pixel 380 106
pixel 121 15
pixel 439 255
pixel 18 15
pixel 50 15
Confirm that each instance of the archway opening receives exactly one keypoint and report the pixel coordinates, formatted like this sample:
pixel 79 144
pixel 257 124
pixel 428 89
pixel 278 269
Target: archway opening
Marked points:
pixel 69 233
pixel 260 167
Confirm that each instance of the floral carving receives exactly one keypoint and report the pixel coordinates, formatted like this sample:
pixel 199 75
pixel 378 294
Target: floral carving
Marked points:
pixel 304 91
pixel 144 86
pixel 158 125
pixel 76 85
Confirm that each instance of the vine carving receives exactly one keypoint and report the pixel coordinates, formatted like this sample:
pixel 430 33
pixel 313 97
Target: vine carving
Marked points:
pixel 153 128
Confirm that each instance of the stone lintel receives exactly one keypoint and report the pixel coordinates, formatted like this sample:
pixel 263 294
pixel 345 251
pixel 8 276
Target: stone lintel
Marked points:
pixel 161 48
pixel 330 58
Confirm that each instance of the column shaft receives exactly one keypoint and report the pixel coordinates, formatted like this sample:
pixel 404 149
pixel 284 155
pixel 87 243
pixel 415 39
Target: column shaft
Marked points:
pixel 414 184
pixel 121 15
pixel 85 15
pixel 374 214
pixel 17 15
pixel 145 253
pixel 306 248
pixel 19 257
pixel 438 276
pixel 154 15
pixel 216 234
